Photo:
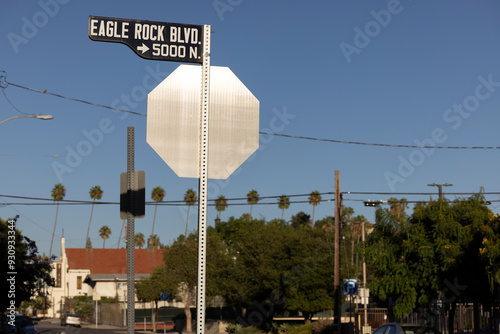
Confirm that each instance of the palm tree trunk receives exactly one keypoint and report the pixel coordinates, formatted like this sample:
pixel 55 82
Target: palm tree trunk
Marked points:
pixel 187 219
pixel 251 206
pixel 282 213
pixel 54 231
pixel 103 242
pixel 312 223
pixel 154 219
pixel 120 237
pixel 352 251
pixel 91 213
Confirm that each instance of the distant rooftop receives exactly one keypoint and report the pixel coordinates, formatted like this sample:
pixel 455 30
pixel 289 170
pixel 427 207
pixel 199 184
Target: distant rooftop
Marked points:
pixel 113 260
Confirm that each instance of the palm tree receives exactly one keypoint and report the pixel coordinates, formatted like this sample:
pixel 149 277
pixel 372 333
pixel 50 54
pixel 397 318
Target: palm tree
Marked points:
pixel 347 212
pixel 398 206
pixel 58 193
pixel 95 194
pixel 104 233
pixel 220 205
pixel 356 234
pixel 139 240
pixel 156 195
pixel 154 241
pixel 314 199
pixel 283 203
pixel 190 198
pixel 252 198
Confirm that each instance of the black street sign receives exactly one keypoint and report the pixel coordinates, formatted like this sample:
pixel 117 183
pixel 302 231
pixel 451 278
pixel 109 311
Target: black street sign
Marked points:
pixel 150 39
pixel 138 194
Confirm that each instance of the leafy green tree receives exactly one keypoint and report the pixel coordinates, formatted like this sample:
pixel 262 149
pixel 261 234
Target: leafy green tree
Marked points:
pixel 283 203
pixel 393 279
pixel 326 224
pixel 220 205
pixel 489 250
pixel 38 303
pixel 252 198
pixel 20 255
pixel 95 194
pixel 179 275
pixel 306 283
pixel 104 233
pixel 157 195
pixel 57 193
pixel 274 268
pixel 81 305
pixel 314 200
pixel 190 198
pixel 236 288
pixel 181 261
pixel 150 289
pixel 417 260
pixel 300 219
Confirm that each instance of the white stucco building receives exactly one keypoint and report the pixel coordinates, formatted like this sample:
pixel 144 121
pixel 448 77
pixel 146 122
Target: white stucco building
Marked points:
pixel 96 272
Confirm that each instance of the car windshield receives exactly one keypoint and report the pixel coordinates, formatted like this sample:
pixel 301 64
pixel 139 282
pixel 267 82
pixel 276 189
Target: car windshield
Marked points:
pixel 72 315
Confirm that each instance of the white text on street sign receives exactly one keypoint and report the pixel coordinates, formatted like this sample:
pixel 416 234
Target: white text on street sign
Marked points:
pixel 150 39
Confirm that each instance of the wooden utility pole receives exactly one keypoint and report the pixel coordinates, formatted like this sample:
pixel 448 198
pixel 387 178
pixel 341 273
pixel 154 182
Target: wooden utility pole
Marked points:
pixel 337 309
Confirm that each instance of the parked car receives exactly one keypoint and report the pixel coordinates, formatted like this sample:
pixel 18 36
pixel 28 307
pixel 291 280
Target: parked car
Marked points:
pixel 22 325
pixel 71 320
pixel 402 328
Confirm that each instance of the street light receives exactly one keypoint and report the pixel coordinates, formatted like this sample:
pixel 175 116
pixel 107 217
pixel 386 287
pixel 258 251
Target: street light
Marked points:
pixel 440 187
pixel 44 117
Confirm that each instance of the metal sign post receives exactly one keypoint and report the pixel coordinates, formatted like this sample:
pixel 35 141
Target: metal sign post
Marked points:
pixel 231 143
pixel 350 289
pixel 130 234
pixel 203 181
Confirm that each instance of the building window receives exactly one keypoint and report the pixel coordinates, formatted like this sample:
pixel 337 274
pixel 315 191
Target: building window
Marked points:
pixel 78 282
pixel 58 276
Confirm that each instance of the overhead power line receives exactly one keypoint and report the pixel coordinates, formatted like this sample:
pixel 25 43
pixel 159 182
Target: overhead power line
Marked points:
pixel 4 84
pixel 50 201
pixel 234 201
pixel 383 145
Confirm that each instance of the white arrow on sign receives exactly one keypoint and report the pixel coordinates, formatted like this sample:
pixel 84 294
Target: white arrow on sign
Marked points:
pixel 143 48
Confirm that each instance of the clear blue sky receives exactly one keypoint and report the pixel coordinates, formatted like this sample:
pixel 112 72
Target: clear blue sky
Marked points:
pixel 386 72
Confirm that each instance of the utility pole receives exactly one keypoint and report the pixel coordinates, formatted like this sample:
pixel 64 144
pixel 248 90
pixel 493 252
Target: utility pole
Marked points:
pixel 366 328
pixel 440 187
pixel 337 308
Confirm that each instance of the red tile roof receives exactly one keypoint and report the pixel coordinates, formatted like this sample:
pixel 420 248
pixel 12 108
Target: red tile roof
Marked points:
pixel 113 261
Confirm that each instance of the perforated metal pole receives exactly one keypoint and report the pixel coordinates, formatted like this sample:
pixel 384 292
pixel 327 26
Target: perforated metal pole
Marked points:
pixel 203 182
pixel 130 233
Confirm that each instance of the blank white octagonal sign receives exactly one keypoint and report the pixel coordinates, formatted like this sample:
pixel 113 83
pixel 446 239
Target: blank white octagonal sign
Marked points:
pixel 173 125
